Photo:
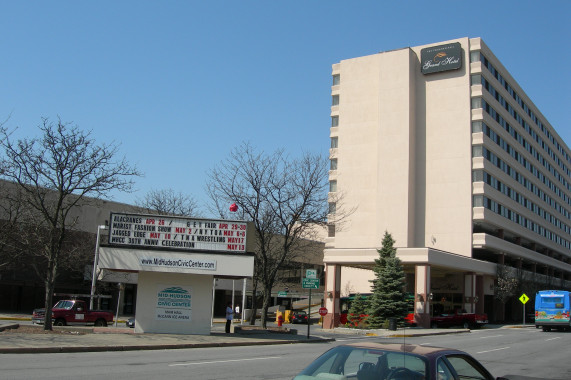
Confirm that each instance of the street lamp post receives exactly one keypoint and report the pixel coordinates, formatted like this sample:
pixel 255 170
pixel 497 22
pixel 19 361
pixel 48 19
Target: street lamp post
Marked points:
pixel 121 287
pixel 95 261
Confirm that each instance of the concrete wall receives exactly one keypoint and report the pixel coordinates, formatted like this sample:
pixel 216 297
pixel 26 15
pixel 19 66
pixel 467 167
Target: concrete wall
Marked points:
pixel 356 280
pixel 444 117
pixel 404 153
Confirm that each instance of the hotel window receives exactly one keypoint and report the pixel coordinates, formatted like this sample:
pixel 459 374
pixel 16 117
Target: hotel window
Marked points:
pixel 336 79
pixel 334 142
pixel 476 103
pixel 475 56
pixel 477 126
pixel 332 186
pixel 335 100
pixel 332 207
pixel 333 165
pixel 334 121
pixel 331 230
pixel 475 79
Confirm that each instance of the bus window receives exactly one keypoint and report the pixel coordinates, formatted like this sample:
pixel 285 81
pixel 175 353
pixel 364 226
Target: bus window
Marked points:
pixel 556 302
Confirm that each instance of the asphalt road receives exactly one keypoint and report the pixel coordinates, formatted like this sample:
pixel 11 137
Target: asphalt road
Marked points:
pixel 525 351
pixel 516 351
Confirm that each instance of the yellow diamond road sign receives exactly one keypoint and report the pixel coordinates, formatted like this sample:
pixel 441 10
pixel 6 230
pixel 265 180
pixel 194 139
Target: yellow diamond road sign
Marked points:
pixel 524 298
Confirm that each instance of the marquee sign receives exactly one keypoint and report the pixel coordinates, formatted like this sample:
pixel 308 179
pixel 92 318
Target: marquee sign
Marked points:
pixel 177 233
pixel 441 58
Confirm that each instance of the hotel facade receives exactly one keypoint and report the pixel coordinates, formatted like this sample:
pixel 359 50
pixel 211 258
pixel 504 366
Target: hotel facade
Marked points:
pixel 439 146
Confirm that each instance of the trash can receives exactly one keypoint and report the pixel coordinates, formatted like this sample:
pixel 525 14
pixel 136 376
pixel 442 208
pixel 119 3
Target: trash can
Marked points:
pixel 392 324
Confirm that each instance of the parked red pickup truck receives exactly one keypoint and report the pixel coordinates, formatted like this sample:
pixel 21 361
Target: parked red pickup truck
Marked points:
pixel 459 318
pixel 73 312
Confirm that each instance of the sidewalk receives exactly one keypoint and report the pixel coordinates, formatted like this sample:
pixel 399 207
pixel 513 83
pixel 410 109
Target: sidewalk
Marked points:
pixel 97 339
pixel 120 338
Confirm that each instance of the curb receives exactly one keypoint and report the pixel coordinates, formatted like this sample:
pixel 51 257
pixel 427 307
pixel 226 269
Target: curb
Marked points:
pixel 402 333
pixel 9 326
pixel 428 334
pixel 119 321
pixel 72 349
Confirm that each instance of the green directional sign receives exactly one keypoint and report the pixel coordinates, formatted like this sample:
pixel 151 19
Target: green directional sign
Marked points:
pixel 310 283
pixel 282 294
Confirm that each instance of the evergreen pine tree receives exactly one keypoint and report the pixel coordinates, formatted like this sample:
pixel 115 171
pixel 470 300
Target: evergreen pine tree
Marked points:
pixel 388 298
pixel 358 308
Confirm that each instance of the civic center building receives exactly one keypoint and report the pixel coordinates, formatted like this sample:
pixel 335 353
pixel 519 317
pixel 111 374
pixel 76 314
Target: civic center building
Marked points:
pixel 439 146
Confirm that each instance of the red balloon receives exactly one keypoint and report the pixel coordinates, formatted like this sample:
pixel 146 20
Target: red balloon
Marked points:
pixel 233 207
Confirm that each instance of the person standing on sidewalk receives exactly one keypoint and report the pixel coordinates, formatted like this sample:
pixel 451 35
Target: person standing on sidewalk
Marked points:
pixel 229 316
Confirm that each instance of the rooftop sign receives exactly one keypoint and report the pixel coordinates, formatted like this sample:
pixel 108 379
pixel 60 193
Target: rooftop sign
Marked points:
pixel 177 233
pixel 441 58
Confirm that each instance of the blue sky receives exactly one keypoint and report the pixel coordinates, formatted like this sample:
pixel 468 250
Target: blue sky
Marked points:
pixel 180 83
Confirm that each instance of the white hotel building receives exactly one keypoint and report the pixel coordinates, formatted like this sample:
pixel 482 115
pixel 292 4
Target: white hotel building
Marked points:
pixel 440 146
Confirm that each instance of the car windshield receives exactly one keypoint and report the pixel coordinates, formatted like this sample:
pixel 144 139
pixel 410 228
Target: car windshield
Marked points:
pixel 364 363
pixel 63 305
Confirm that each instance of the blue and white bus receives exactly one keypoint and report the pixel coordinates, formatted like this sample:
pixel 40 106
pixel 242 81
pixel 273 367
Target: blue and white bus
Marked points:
pixel 552 310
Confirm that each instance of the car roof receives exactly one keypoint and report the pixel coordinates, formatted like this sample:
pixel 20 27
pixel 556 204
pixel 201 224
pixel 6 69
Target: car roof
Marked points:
pixel 410 348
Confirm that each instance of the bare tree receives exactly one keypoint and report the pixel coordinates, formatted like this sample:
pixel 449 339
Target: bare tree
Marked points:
pixel 508 281
pixel 54 174
pixel 167 202
pixel 284 199
pixel 21 237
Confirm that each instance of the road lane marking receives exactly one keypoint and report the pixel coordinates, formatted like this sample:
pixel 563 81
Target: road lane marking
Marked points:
pixel 497 349
pixel 552 339
pixel 490 336
pixel 224 361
